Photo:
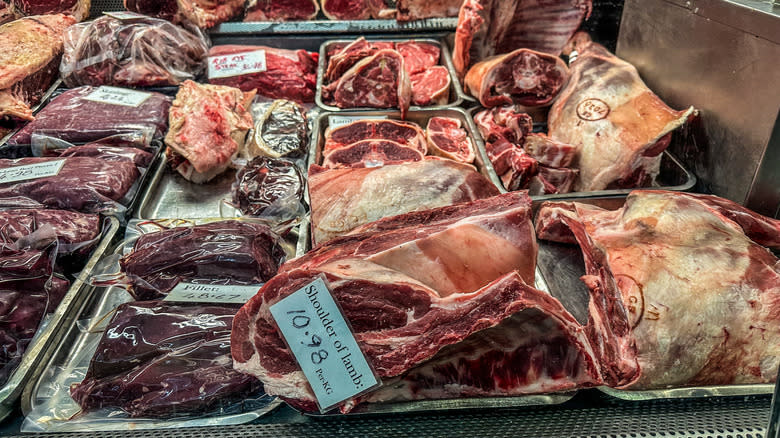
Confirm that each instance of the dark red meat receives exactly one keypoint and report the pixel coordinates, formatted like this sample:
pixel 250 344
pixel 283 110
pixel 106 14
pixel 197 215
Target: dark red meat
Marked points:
pixel 371 153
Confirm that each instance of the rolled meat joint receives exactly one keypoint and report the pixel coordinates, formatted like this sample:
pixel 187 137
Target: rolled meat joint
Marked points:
pixel 78 9
pixel 691 291
pixel 30 50
pixel 619 126
pixel 208 128
pixel 202 13
pixel 271 10
pixel 524 77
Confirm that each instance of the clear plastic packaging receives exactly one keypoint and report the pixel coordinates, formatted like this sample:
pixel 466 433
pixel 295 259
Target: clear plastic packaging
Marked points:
pixel 270 188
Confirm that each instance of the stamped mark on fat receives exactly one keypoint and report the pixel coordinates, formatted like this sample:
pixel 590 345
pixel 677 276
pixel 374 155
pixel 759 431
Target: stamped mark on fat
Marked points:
pixel 592 109
pixel 633 297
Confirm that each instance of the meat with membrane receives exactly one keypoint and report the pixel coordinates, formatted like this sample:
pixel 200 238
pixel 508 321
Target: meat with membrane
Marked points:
pixel 431 87
pixel 78 9
pixel 690 292
pixel 289 10
pixel 202 13
pixel 356 9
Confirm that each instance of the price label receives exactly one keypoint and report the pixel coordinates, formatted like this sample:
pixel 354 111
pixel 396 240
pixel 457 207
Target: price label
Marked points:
pixel 118 96
pixel 339 121
pixel 212 293
pixel 321 341
pixel 124 15
pixel 31 171
pixel 237 64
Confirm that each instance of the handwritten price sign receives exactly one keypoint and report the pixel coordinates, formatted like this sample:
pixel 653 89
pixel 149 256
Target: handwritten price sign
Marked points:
pixel 31 171
pixel 321 341
pixel 237 64
pixel 211 293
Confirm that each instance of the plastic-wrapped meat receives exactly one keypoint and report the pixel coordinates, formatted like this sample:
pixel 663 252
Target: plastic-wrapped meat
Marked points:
pixel 281 131
pixel 74 118
pixel 76 232
pixel 225 252
pixel 139 157
pixel 138 52
pixel 202 13
pixel 288 10
pixel 86 184
pixel 158 359
pixel 269 187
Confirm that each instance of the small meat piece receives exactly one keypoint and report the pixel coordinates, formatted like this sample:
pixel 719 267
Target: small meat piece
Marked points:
pixel 208 126
pixel 523 77
pixel 356 9
pixel 562 178
pixel 521 169
pixel 289 74
pixel 509 122
pixel 202 13
pixel 405 133
pixel 549 152
pixel 499 152
pixel 157 359
pixel 228 251
pixel 410 10
pixel 286 10
pixel 371 153
pixel 268 187
pixel 139 157
pixel 448 139
pixel 431 87
pixel 342 59
pixel 281 131
pixel 418 56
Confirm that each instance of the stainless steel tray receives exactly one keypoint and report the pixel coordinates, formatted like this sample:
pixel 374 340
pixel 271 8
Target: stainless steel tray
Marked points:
pixel 38 351
pixel 445 59
pixel 336 27
pixel 673 175
pixel 9 152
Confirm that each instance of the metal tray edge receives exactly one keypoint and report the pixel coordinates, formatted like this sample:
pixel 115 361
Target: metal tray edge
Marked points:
pixel 156 170
pixel 335 27
pixel 690 392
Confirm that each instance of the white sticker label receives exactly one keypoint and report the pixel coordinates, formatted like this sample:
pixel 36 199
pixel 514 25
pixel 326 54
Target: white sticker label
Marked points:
pixel 212 293
pixel 237 64
pixel 31 171
pixel 323 344
pixel 339 121
pixel 124 15
pixel 118 96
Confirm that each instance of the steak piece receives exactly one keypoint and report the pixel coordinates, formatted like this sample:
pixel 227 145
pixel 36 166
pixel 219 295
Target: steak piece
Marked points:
pixel 405 133
pixel 521 169
pixel 418 56
pixel 284 10
pixel 282 130
pixel 289 74
pixel 607 112
pixel 157 359
pixel 342 199
pixel 268 187
pixel 371 153
pixel 523 77
pixel 410 10
pixel 140 52
pixel 549 152
pixel 30 50
pixel 431 87
pixel 202 13
pixel 356 9
pixel 509 122
pixel 673 322
pixel 492 27
pixel 379 81
pixel 74 118
pixel 208 126
pixel 343 58
pixel 448 139
pixel 78 9
pixel 226 252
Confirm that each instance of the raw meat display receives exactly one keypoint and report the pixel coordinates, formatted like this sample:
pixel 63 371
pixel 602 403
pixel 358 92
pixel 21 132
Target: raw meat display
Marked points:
pixel 78 9
pixel 690 296
pixel 268 187
pixel 225 252
pixel 523 77
pixel 282 130
pixel 75 232
pixel 371 153
pixel 86 184
pixel 74 118
pixel 342 57
pixel 343 199
pixel 410 10
pixel 447 138
pixel 356 9
pixel 139 157
pixel 619 126
pixel 288 74
pixel 404 133
pixel 507 122
pixel 140 52
pixel 492 27
pixel 287 10
pixel 208 127
pixel 30 50
pixel 418 56
pixel 158 359
pixel 202 13
pixel 549 152
pixel 431 87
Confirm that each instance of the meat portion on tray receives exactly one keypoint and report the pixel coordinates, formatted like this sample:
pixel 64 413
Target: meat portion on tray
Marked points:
pixel 691 293
pixel 269 187
pixel 288 10
pixel 356 9
pixel 158 359
pixel 410 10
pixel 76 232
pixel 78 9
pixel 202 13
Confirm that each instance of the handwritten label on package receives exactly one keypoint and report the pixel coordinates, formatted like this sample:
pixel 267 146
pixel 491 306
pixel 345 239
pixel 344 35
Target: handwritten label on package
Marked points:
pixel 212 293
pixel 236 64
pixel 31 171
pixel 322 343
pixel 339 121
pixel 124 15
pixel 118 96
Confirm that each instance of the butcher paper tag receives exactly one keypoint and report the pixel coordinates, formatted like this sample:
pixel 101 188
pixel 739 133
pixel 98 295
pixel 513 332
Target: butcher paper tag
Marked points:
pixel 31 171
pixel 118 96
pixel 322 342
pixel 237 64
pixel 339 121
pixel 212 293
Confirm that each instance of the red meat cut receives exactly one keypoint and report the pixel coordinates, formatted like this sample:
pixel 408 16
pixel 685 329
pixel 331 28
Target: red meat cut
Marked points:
pixel 356 9
pixel 78 9
pixel 549 152
pixel 371 153
pixel 404 133
pixel 418 56
pixel 410 10
pixel 509 122
pixel 285 10
pixel 448 139
pixel 431 87
pixel 201 13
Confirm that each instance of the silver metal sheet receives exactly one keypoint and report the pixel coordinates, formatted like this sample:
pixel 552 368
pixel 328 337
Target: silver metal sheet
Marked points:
pixel 445 59
pixel 692 392
pixel 336 27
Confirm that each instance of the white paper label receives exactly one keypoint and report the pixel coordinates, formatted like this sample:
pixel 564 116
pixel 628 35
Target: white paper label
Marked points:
pixel 124 15
pixel 237 64
pixel 338 121
pixel 31 171
pixel 212 293
pixel 323 344
pixel 118 96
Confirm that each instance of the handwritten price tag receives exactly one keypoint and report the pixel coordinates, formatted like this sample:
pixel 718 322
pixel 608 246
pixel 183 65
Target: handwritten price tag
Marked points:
pixel 31 171
pixel 339 121
pixel 118 96
pixel 238 64
pixel 321 341
pixel 211 293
